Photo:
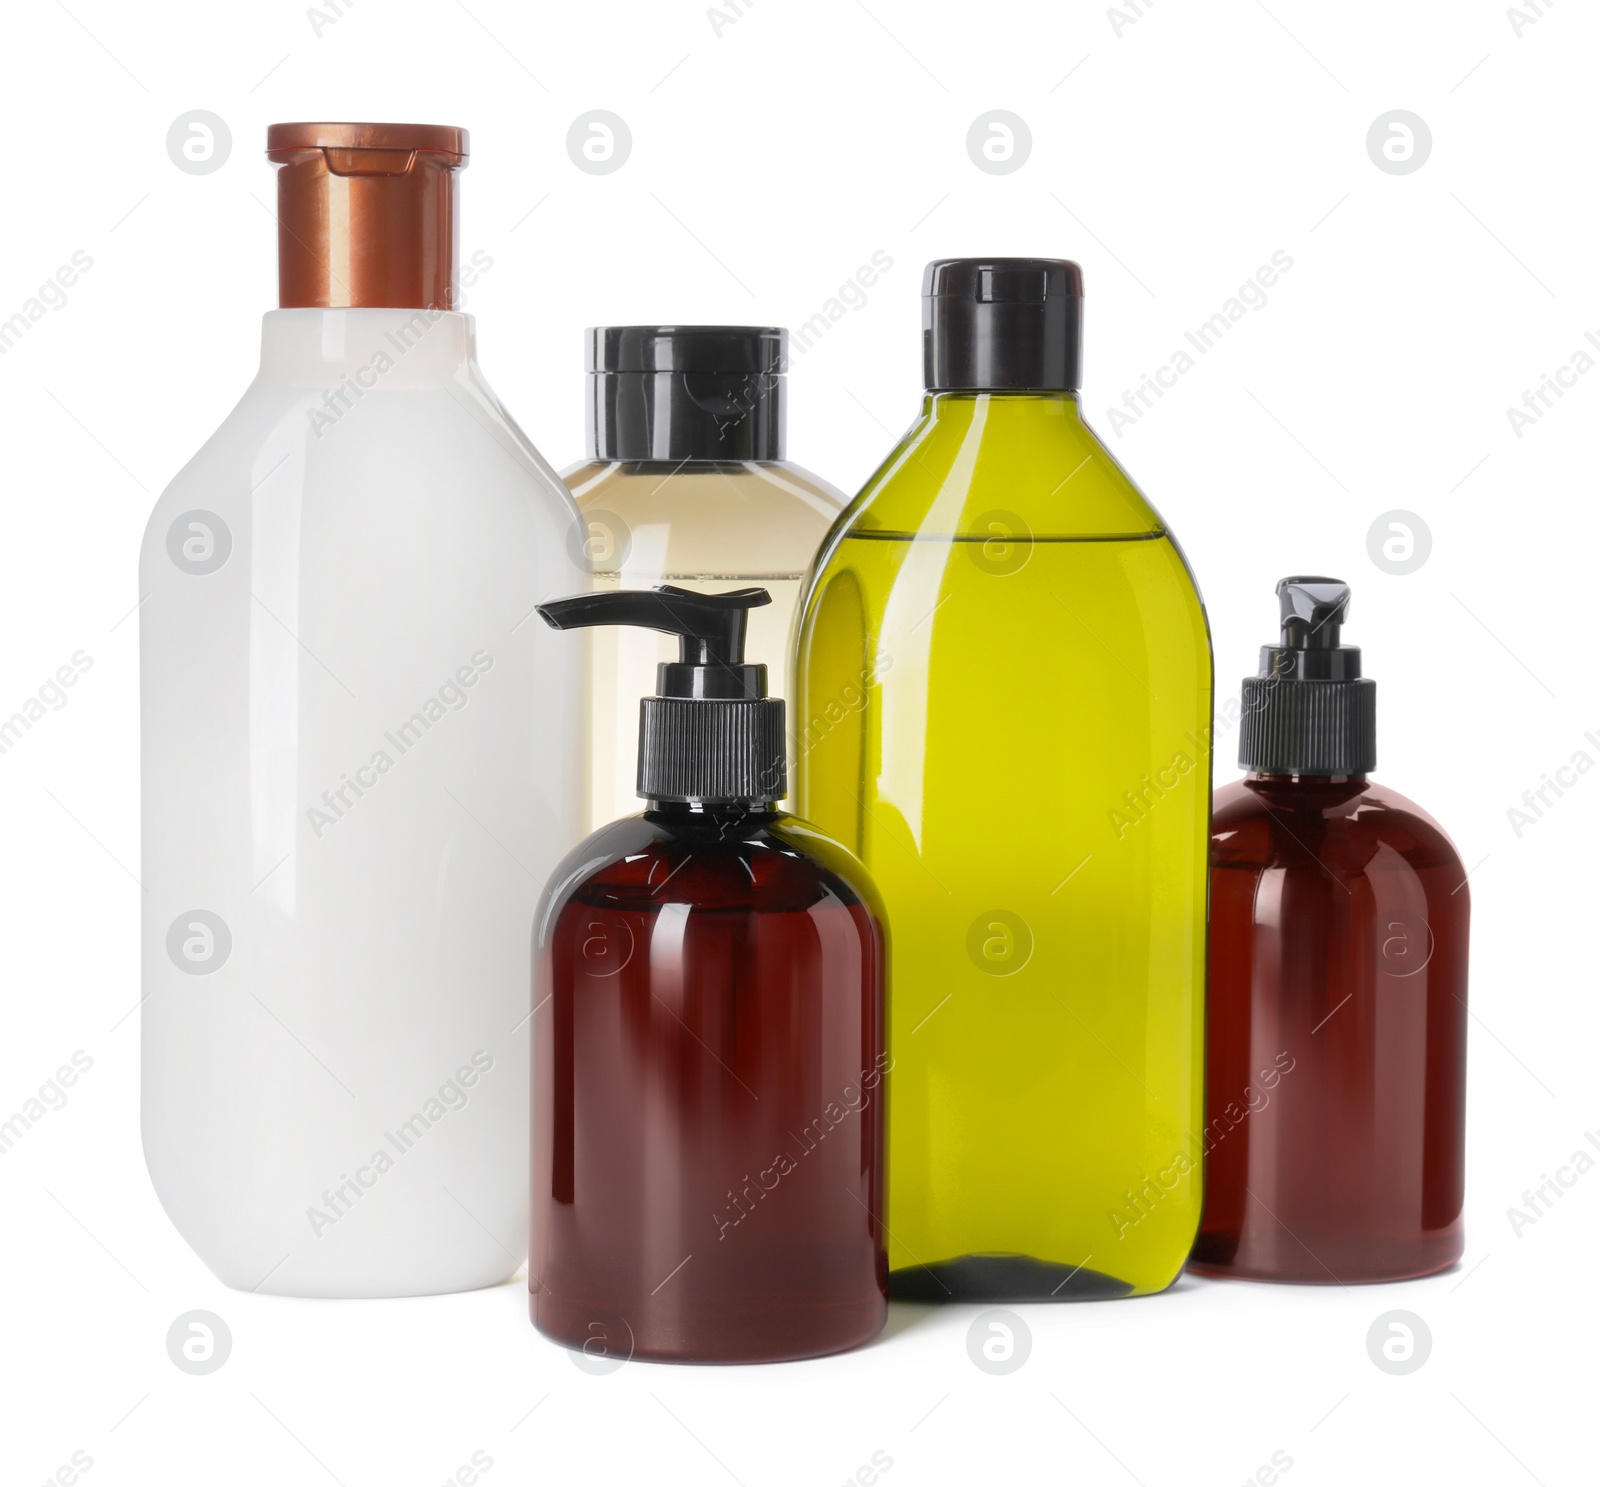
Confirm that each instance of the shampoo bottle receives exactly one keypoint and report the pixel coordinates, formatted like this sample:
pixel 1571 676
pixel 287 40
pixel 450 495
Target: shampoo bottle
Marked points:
pixel 687 481
pixel 1335 1130
pixel 359 762
pixel 1003 709
pixel 708 1039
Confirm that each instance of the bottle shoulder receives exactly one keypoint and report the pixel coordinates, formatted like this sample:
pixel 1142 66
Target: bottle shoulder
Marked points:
pixel 771 864
pixel 708 519
pixel 285 440
pixel 1028 461
pixel 1347 824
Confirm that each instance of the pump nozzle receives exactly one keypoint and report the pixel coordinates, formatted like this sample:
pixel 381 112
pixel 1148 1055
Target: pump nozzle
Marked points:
pixel 1312 610
pixel 711 735
pixel 711 626
pixel 1309 711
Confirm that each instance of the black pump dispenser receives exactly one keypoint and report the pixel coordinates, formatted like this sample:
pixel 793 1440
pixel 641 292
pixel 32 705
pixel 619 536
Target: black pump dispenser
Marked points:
pixel 711 736
pixel 1310 711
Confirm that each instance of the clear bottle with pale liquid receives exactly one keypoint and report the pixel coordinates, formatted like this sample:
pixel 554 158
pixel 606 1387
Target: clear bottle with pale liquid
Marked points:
pixel 687 484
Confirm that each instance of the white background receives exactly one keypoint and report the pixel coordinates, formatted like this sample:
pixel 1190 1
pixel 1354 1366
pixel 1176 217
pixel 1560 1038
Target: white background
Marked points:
pixel 1172 154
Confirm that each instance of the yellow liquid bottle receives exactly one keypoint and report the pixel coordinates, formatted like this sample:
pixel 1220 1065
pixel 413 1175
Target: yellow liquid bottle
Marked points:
pixel 1003 707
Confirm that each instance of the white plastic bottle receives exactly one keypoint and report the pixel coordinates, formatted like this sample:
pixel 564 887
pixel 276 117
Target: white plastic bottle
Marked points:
pixel 359 763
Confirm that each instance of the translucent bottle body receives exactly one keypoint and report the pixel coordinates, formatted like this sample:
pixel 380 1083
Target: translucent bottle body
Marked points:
pixel 700 522
pixel 708 1101
pixel 1336 1092
pixel 1003 708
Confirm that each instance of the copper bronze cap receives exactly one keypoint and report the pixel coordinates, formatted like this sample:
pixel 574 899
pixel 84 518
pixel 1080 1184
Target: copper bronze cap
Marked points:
pixel 366 214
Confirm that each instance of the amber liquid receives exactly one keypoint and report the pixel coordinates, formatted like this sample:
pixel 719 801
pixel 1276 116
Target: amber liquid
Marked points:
pixel 708 1096
pixel 1336 1037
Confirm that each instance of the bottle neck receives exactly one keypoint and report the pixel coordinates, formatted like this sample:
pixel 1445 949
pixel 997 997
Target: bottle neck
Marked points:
pixel 973 460
pixel 367 347
pixel 1303 781
pixel 724 818
pixel 1001 407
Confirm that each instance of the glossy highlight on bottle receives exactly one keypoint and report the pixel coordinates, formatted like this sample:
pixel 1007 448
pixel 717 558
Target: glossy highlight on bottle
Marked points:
pixel 708 1038
pixel 1339 958
pixel 1335 1129
pixel 357 764
pixel 708 1126
pixel 1004 711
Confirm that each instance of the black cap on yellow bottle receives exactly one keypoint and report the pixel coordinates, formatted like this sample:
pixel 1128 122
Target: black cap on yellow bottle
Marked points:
pixel 1002 325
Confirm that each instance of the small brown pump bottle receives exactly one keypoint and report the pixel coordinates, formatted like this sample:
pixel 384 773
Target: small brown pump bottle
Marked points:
pixel 708 1038
pixel 1337 1017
